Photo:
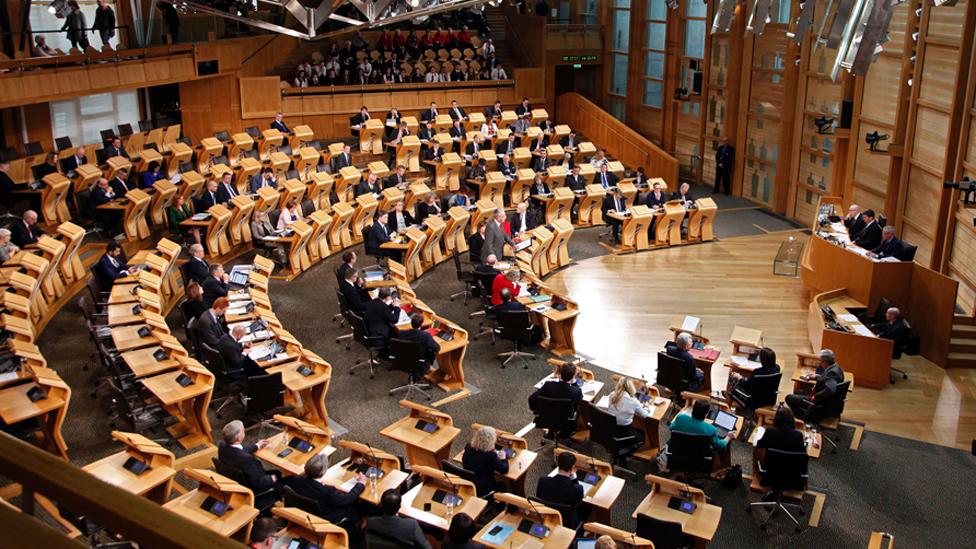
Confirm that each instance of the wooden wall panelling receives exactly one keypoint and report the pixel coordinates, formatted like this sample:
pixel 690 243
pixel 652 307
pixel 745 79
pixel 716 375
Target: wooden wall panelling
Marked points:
pixel 260 96
pixel 210 105
pixel 930 292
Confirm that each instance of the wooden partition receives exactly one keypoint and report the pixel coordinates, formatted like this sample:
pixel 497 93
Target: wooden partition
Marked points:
pixel 622 142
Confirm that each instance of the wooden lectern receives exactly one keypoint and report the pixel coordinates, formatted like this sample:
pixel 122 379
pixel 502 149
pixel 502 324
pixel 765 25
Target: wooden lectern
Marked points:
pixel 415 192
pixel 298 253
pixel 363 217
pixel 154 483
pixel 519 192
pixel 430 252
pixel 389 198
pixel 161 200
pixel 426 446
pixel 291 190
pixel 266 200
pixel 180 153
pixel 53 205
pixel 191 185
pixel 87 175
pixel 371 137
pixel 318 245
pixel 72 236
pixel 135 224
pixel 217 243
pixel 302 525
pixel 559 249
pixel 349 177
pixel 629 191
pixel 668 230
pixel 320 189
pixel 518 510
pixel 424 503
pixel 555 176
pixel 235 522
pixel 700 220
pixel 308 159
pixel 362 454
pixel 521 157
pixel 448 172
pixel 633 234
pixel 443 123
pixel 408 153
pixel 318 438
pixel 240 143
pixel 117 163
pixel 455 236
pixel 539 115
pixel 272 140
pixel 415 239
pixel 484 210
pixel 300 135
pixel 209 148
pixel 585 150
pixel 591 206
pixel 339 236
pixel 559 205
pixel 240 222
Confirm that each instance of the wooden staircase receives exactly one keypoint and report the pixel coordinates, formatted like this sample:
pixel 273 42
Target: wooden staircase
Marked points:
pixel 962 344
pixel 495 16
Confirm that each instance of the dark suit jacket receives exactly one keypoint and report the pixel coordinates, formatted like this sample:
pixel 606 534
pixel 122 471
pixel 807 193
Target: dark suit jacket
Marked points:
pixel 555 389
pixel 611 179
pixel 22 235
pixel 359 119
pixel 426 114
pixel 457 132
pixel 540 165
pixel 653 202
pixel 870 236
pixel 897 332
pixel 891 248
pixel 393 180
pixel 111 151
pixel 340 161
pixel 484 465
pixel 232 352
pixel 356 297
pixel 106 273
pixel 424 210
pixel 120 187
pixel 197 269
pixel 425 340
pixel 510 307
pixel 515 223
pixel 609 204
pixel 685 356
pixel 575 182
pixel 255 477
pixel 746 382
pixel 676 195
pixel 787 440
pixel 364 188
pixel 564 490
pixel 475 243
pixel 391 223
pixel 375 236
pixel 508 170
pixel 454 115
pixel 854 226
pixel 381 319
pixel 434 154
pixel 502 147
pixel 521 110
pixel 827 382
pixel 280 126
pixel 405 531
pixel 99 197
pixel 469 149
pixel 725 155
pixel 208 199
pixel 334 504
pixel 212 289
pixel 224 195
pixel 72 162
pixel 210 330
pixel 566 144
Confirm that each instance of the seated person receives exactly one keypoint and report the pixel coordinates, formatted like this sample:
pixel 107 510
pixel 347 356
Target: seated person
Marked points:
pixel 209 197
pixel 391 526
pixel 767 361
pixel 226 190
pixel 210 325
pixel 459 534
pixel 541 162
pixel 507 147
pixel 352 289
pixel 783 435
pixel 656 198
pixel 234 454
pixel 178 212
pixel 193 305
pixel 382 314
pixel 476 242
pixel 101 194
pixel 507 281
pixel 239 365
pixel 196 267
pixel 461 199
pixel 680 349
pixel 215 285
pixel 826 378
pixel 684 195
pixel 854 221
pixel 489 267
pixel 369 186
pixel 614 203
pixel 422 338
pixel 574 180
pixel 262 180
pixel 110 267
pixel 565 387
pixel 695 424
pixel 397 179
pixel 483 459
pixel 289 215
pixel 334 505
pixel 523 221
pixel 478 170
pixel 604 177
pixel 264 237
pixel 539 188
pixel 152 174
pixel 890 246
pixel 430 206
pixel 507 168
pixel 264 533
pixel 624 405
pixel 895 328
pixel 565 489
pixel 400 219
pixel 377 235
pixel 26 232
pixel 869 237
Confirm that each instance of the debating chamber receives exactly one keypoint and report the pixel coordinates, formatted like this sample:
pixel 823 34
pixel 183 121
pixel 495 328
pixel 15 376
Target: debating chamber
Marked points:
pixel 511 274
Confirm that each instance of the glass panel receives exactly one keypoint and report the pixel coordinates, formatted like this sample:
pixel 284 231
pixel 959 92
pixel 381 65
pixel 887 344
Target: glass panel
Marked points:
pixel 618 74
pixel 622 4
pixel 618 108
pixel 696 8
pixel 655 35
pixel 621 30
pixel 780 11
pixel 654 64
pixel 43 20
pixel 657 9
pixel 83 118
pixel 695 38
pixel 591 17
pixel 652 93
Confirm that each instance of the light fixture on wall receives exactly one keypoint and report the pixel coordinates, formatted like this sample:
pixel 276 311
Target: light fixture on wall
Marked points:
pixel 681 94
pixel 864 32
pixel 824 125
pixel 759 16
pixel 724 16
pixel 966 187
pixel 59 8
pixel 873 139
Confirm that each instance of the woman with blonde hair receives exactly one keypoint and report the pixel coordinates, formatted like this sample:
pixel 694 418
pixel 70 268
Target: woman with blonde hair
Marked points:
pixel 624 405
pixel 481 458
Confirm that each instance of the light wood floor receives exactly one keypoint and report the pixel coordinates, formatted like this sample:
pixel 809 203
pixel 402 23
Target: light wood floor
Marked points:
pixel 628 301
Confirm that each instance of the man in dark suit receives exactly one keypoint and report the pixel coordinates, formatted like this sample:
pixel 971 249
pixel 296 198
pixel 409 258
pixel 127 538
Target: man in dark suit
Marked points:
pixel 684 195
pixel 390 526
pixel 854 221
pixel 382 314
pixel 196 268
pixel 356 296
pixel 574 180
pixel 614 203
pixel 215 285
pixel 233 453
pixel 101 194
pixel 457 133
pixel 262 180
pixel 896 329
pixel 342 159
pixel 656 198
pixel 826 379
pixel 495 111
pixel 539 144
pixel 522 221
pixel 115 149
pixel 564 388
pixel 377 235
pixel 456 112
pixel 724 161
pixel 564 488
pixel 509 145
pixel 279 124
pixel 488 268
pixel 507 167
pixel 435 153
pixel 209 197
pixel 523 108
pixel 110 267
pixel 396 179
pixel 239 365
pixel 210 326
pixel 870 236
pixel 227 190
pixel 431 113
pixel 119 186
pixel 361 118
pixel 420 337
pixel 541 161
pixel 70 164
pixel 604 178
pixel 474 147
pixel 426 133
pixel 508 305
pixel 681 350
pixel 890 245
pixel 26 232
pixel 570 142
pixel 368 186
pixel 334 505
pixel 495 237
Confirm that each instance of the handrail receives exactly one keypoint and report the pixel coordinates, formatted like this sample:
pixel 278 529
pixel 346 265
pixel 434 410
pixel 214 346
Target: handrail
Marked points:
pixel 333 90
pixel 134 518
pixel 118 56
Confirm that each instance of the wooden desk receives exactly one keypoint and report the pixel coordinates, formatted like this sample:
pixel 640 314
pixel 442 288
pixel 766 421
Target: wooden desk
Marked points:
pixel 657 408
pixel 588 385
pixel 360 454
pixel 306 393
pixel 295 429
pixel 518 464
pixel 492 188
pixel 700 220
pixel 187 404
pixel 449 375
pixel 519 509
pixel 590 206
pixel 865 355
pixel 561 323
pixel 142 363
pixel 235 523
pixel 423 448
pixel 620 537
pixel 434 480
pixel 154 483
pixel 50 411
pixel 700 524
pixel 454 235
pixel 601 496
pixel 306 526
pixel 812 439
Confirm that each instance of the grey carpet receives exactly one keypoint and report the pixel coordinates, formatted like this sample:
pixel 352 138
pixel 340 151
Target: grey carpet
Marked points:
pixel 918 491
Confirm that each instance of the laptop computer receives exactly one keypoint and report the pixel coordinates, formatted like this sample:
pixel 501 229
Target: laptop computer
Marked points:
pixel 724 422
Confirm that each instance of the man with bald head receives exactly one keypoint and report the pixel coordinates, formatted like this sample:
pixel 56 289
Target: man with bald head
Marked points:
pixel 894 328
pixel 26 232
pixel 239 365
pixel 853 221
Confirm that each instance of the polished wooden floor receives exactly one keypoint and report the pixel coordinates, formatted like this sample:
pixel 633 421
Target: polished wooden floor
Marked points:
pixel 628 302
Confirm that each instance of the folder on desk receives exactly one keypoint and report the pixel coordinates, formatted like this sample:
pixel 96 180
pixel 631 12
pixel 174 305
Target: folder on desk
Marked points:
pixel 497 534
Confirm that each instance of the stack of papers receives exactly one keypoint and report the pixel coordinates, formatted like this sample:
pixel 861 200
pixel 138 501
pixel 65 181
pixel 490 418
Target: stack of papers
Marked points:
pixel 861 329
pixel 691 323
pixel 238 310
pixel 745 363
pixel 759 434
pixel 539 309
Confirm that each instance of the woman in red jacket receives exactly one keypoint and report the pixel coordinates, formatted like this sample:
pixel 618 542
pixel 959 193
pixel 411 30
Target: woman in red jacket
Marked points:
pixel 502 281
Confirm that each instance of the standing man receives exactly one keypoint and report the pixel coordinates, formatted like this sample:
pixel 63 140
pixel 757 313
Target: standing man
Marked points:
pixel 104 22
pixel 495 237
pixel 724 160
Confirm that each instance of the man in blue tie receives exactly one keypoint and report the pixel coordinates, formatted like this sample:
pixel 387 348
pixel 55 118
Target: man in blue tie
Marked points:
pixel 279 123
pixel 618 204
pixel 606 179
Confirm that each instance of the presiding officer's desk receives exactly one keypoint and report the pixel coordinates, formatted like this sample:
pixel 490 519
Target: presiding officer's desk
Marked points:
pixel 700 524
pixel 858 350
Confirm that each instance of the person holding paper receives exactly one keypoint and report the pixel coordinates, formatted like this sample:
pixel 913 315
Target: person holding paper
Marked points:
pixel 334 504
pixel 238 365
pixel 381 316
pixel 767 365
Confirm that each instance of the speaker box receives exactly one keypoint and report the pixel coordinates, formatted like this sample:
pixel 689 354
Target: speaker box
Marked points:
pixel 205 68
pixel 846 114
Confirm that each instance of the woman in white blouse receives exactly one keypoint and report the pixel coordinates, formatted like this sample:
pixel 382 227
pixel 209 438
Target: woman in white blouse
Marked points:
pixel 624 406
pixel 288 216
pixel 489 129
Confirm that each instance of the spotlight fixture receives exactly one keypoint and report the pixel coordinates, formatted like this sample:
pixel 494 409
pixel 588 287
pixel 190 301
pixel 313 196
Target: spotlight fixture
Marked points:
pixel 672 4
pixel 873 138
pixel 59 8
pixel 759 16
pixel 681 94
pixel 723 16
pixel 966 187
pixel 824 125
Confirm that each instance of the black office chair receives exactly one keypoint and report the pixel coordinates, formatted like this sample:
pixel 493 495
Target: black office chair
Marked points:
pixel 489 320
pixel 603 431
pixel 294 499
pixel 763 391
pixel 827 414
pixel 229 383
pixel 879 312
pixel 374 345
pixel 690 454
pixel 465 277
pixel 671 376
pixel 344 313
pixel 408 357
pixel 785 474
pixel 908 252
pixel 263 500
pixel 454 468
pixel 901 346
pixel 570 516
pixel 515 326
pixel 664 533
pixel 263 399
pixel 556 417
